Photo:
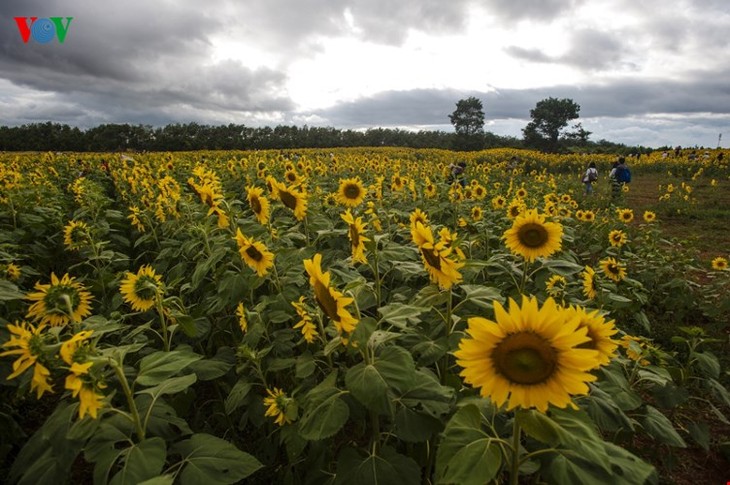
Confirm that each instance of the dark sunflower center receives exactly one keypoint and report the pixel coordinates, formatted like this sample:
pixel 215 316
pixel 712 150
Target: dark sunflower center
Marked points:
pixel 514 210
pixel 288 199
pixel 254 253
pixel 533 235
pixel 525 358
pixel 256 205
pixel 592 343
pixel 291 176
pixel 326 301
pixel 432 258
pixel 351 191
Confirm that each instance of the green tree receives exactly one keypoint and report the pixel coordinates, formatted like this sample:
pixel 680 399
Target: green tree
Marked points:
pixel 468 121
pixel 549 117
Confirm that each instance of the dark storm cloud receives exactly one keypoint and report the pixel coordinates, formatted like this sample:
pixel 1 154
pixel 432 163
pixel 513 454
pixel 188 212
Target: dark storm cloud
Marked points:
pixel 512 11
pixel 620 99
pixel 134 57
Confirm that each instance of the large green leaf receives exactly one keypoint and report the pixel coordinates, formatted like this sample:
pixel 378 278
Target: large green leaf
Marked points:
pixel 156 367
pixel 369 386
pixel 467 455
pixel 237 395
pixel 387 467
pixel 170 386
pixel 9 291
pixel 324 416
pixel 211 460
pixel 401 315
pixel 141 462
pixel 659 426
pixel 218 366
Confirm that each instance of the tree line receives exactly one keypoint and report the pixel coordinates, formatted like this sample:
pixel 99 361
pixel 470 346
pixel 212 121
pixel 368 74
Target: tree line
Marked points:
pixel 547 131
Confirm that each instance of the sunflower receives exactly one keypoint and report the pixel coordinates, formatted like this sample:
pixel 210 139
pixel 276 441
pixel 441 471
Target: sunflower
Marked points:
pixel 351 192
pixel 292 178
pixel 60 302
pixel 306 323
pixel 719 263
pixel 477 213
pixel 259 203
pixel 397 183
pixel 355 233
pixel 331 301
pixel 498 202
pixel 421 234
pixel 90 401
pixel 521 193
pixel 579 214
pixel 555 285
pixel 529 357
pixel 28 342
pixel 617 238
pixel 479 191
pixel 515 208
pixel 613 269
pixel 625 215
pixel 649 217
pixel 430 189
pixel 443 270
pixel 418 216
pixel 11 271
pixel 599 332
pixel 142 290
pixel 254 254
pixel 294 199
pixel 590 290
pixel 589 216
pixel 280 407
pixel 531 237
pixel 241 314
pixel 76 235
pixel 74 350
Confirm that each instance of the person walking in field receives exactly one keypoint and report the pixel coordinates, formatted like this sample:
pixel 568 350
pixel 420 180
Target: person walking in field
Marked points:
pixel 589 177
pixel 619 176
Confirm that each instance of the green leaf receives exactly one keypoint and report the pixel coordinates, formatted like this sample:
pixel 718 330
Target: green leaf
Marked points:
pixel 237 395
pixel 427 395
pixel 607 415
pixel 481 296
pixel 170 386
pixel 401 315
pixel 211 460
pixel 141 461
pixel 325 415
pixel 156 367
pixel 386 468
pixel 708 364
pixel 9 291
pixel 659 426
pixel 415 427
pixel 218 366
pixel 700 432
pixel 467 454
pixel 369 387
pixel 160 480
pixel 562 267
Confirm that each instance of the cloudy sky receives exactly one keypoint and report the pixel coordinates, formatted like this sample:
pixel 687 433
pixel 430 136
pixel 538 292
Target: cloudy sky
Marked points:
pixel 644 72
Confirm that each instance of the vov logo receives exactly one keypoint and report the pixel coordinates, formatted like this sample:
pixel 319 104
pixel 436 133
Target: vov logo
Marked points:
pixel 43 30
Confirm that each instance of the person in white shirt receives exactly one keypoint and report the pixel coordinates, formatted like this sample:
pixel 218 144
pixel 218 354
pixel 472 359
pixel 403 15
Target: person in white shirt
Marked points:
pixel 589 177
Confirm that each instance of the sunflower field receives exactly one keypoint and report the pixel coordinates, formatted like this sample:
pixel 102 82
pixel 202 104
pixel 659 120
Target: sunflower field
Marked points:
pixel 349 316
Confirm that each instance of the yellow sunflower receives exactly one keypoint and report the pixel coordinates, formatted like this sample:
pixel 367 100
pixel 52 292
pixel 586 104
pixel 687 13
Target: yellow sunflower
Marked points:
pixel 306 323
pixel 90 401
pixel 11 271
pixel 280 406
pixel 241 314
pixel 351 192
pixel 259 203
pixel 134 218
pixel 719 263
pixel 28 342
pixel 331 301
pixel 555 285
pixel 600 332
pixel 480 192
pixel 531 237
pixel 421 234
pixel 60 302
pixel 649 216
pixel 254 254
pixel 498 202
pixel 76 235
pixel 590 289
pixel 430 190
pixel 529 357
pixel 613 269
pixel 521 193
pixel 589 216
pixel 443 270
pixel 477 213
pixel 418 216
pixel 294 199
pixel 617 238
pixel 143 289
pixel 625 215
pixel 515 208
pixel 355 233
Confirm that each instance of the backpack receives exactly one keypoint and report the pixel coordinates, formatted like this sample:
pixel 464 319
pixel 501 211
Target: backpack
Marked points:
pixel 623 175
pixel 592 175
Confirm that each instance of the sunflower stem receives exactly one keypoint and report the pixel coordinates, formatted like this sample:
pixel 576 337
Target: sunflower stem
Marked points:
pixel 163 324
pixel 444 364
pixel 515 468
pixel 130 399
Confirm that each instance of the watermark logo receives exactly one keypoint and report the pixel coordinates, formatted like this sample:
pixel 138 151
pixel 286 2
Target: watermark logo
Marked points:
pixel 43 30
